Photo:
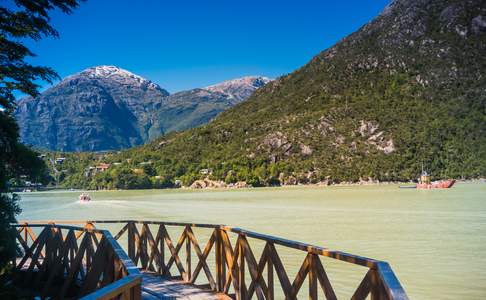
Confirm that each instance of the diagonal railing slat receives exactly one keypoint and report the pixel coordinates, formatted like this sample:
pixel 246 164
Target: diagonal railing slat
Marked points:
pixel 66 261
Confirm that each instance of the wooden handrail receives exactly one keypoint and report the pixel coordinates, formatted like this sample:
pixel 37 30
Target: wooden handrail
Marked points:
pixel 116 288
pixel 339 255
pixel 147 251
pixel 96 268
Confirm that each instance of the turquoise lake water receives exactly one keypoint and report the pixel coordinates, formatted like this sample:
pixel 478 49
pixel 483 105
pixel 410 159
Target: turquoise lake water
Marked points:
pixel 435 240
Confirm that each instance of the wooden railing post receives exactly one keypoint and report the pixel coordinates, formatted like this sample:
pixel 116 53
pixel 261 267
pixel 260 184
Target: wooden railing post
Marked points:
pixel 136 292
pixel 223 260
pixel 162 270
pixel 25 233
pixel 144 257
pixel 131 241
pixel 270 294
pixel 312 277
pixel 217 251
pixel 188 256
pixel 220 261
pixel 241 275
pixel 377 292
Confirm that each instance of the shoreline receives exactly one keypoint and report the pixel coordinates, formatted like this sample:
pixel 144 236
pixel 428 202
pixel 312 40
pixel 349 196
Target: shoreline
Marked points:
pixel 310 185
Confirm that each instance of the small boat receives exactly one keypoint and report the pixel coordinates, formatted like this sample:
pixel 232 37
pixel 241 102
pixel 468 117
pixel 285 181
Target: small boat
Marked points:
pixel 84 198
pixel 426 184
pixel 441 184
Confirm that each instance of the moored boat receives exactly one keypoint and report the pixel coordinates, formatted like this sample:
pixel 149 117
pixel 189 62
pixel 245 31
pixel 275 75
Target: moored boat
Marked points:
pixel 84 198
pixel 426 184
pixel 441 184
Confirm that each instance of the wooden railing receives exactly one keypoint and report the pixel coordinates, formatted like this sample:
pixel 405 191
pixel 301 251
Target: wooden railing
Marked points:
pixel 236 270
pixel 74 262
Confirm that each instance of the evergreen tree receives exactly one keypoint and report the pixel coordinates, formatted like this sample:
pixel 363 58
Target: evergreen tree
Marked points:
pixel 19 20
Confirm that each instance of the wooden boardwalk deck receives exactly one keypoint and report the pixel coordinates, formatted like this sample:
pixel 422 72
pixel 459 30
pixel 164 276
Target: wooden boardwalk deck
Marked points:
pixel 155 287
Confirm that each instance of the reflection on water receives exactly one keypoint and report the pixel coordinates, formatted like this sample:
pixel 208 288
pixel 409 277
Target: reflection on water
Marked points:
pixel 434 240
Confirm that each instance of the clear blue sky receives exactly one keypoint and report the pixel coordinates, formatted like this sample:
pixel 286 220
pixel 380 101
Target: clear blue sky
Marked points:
pixel 184 44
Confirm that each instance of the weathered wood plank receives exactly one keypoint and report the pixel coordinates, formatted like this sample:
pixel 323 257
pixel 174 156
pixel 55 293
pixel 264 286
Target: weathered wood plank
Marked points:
pixel 255 274
pixel 364 287
pixel 58 264
pixel 100 259
pixel 300 277
pixel 188 256
pixel 131 241
pixel 241 273
pixel 122 231
pixel 114 289
pixel 35 257
pixel 163 288
pixel 312 277
pixel 75 267
pixel 231 258
pixel 154 251
pixel 323 279
pixel 27 249
pixel 280 270
pixel 202 259
pixel 270 283
pixel 175 251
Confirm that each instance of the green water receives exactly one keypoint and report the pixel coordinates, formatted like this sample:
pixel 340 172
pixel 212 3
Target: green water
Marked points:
pixel 434 240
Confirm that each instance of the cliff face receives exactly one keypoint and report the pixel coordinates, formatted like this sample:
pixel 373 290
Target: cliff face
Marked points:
pixel 99 108
pixel 105 107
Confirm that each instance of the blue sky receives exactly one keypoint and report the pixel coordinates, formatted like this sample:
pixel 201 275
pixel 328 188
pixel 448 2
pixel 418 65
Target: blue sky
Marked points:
pixel 185 44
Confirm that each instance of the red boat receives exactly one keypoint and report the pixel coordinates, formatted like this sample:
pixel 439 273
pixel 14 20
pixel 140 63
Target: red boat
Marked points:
pixel 425 184
pixel 442 184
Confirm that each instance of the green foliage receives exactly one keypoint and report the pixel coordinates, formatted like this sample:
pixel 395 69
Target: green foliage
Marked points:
pixel 30 20
pixel 15 160
pixel 422 93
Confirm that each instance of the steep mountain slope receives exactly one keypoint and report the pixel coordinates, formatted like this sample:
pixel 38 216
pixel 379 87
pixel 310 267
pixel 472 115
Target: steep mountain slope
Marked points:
pixel 409 87
pixel 99 108
pixel 105 107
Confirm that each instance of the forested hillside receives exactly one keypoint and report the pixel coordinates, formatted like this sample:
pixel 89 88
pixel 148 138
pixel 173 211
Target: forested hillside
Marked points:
pixel 407 88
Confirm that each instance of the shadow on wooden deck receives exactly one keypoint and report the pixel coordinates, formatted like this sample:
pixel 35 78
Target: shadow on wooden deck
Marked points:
pixel 155 286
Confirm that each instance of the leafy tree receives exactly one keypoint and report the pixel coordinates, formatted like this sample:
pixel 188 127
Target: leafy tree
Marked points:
pixel 230 177
pixel 22 19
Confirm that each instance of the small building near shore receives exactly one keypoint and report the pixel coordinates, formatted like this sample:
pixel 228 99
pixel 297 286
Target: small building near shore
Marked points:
pixel 102 167
pixel 60 160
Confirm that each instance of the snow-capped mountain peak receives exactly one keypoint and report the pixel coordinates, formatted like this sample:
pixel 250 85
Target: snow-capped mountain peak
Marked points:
pixel 255 81
pixel 116 74
pixel 240 88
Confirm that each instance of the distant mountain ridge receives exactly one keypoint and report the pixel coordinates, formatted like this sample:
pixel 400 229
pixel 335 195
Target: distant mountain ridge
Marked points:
pixel 109 108
pixel 188 109
pixel 407 88
pixel 241 88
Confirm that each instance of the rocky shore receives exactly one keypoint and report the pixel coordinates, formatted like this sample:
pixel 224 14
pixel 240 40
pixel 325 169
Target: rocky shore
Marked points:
pixel 215 184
